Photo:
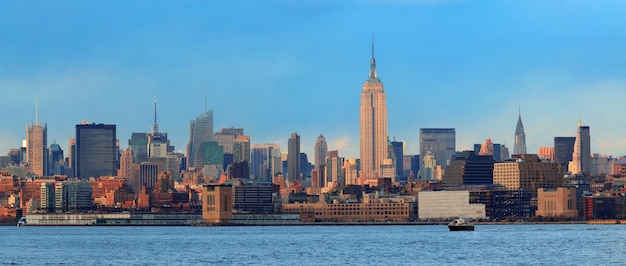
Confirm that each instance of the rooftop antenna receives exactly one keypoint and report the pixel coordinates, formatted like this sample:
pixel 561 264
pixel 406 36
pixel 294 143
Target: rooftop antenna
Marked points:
pixel 155 126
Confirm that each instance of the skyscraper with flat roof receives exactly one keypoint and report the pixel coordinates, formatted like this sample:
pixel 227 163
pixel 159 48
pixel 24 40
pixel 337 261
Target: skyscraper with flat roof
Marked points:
pixel 200 131
pixel 563 149
pixel 441 142
pixel 293 157
pixel 96 150
pixel 373 124
pixel 37 148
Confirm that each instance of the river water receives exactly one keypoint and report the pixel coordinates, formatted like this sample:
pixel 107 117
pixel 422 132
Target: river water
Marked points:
pixel 544 244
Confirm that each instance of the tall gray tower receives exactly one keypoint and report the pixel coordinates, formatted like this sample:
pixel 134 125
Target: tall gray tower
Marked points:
pixel 321 150
pixel 520 137
pixel 293 157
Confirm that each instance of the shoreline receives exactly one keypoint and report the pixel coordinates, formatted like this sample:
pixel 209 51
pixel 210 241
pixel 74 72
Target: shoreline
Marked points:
pixel 596 222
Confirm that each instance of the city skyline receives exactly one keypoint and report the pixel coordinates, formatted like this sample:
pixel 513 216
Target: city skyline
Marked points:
pixel 103 64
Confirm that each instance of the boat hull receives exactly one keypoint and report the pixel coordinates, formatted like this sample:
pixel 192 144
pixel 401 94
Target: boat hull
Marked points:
pixel 461 227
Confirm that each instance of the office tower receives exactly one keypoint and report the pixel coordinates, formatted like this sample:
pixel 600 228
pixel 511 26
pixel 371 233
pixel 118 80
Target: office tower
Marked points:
pixel 520 137
pixel 440 142
pixel 397 156
pixel 138 144
pixel 321 150
pixel 96 150
pixel 55 160
pixel 148 176
pixel 226 136
pixel 428 165
pixel 37 148
pixel 73 196
pixel 546 153
pixel 469 169
pixel 241 149
pixel 334 173
pixel 563 149
pixel 581 157
pixel 305 165
pixel 263 162
pixel 373 124
pixel 200 131
pixel 351 171
pixel 528 174
pixel 293 157
pixel 126 165
pixel 504 152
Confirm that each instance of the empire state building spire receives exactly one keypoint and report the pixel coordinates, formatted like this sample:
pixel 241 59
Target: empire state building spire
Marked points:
pixel 373 74
pixel 155 126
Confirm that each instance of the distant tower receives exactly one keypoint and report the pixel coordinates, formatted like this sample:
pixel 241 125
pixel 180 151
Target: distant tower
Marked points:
pixel 373 123
pixel 37 146
pixel 520 137
pixel 321 150
pixel 581 157
pixel 200 131
pixel 293 157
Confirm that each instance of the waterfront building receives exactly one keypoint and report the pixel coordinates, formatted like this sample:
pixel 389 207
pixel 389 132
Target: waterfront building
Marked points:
pixel 37 148
pixel 293 157
pixel 200 131
pixel 253 198
pixel 47 197
pixel 546 153
pixel 469 169
pixel 371 209
pixel 581 157
pixel 217 203
pixel 520 137
pixel 373 124
pixel 441 143
pixel 528 173
pixel 96 150
pixel 446 205
pixel 73 196
pixel 557 202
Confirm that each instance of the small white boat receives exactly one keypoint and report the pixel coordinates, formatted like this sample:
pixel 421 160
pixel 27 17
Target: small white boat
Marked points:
pixel 21 222
pixel 460 224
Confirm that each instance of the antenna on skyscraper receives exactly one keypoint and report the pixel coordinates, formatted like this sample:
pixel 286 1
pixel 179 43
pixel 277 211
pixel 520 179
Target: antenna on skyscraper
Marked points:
pixel 155 126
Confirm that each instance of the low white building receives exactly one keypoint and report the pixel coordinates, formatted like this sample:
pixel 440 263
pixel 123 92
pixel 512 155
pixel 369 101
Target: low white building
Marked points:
pixel 440 205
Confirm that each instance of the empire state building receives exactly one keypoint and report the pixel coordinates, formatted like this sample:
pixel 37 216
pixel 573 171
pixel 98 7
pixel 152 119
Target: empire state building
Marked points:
pixel 373 124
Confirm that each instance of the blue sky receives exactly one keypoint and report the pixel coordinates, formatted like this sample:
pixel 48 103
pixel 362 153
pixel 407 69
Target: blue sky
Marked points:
pixel 276 67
